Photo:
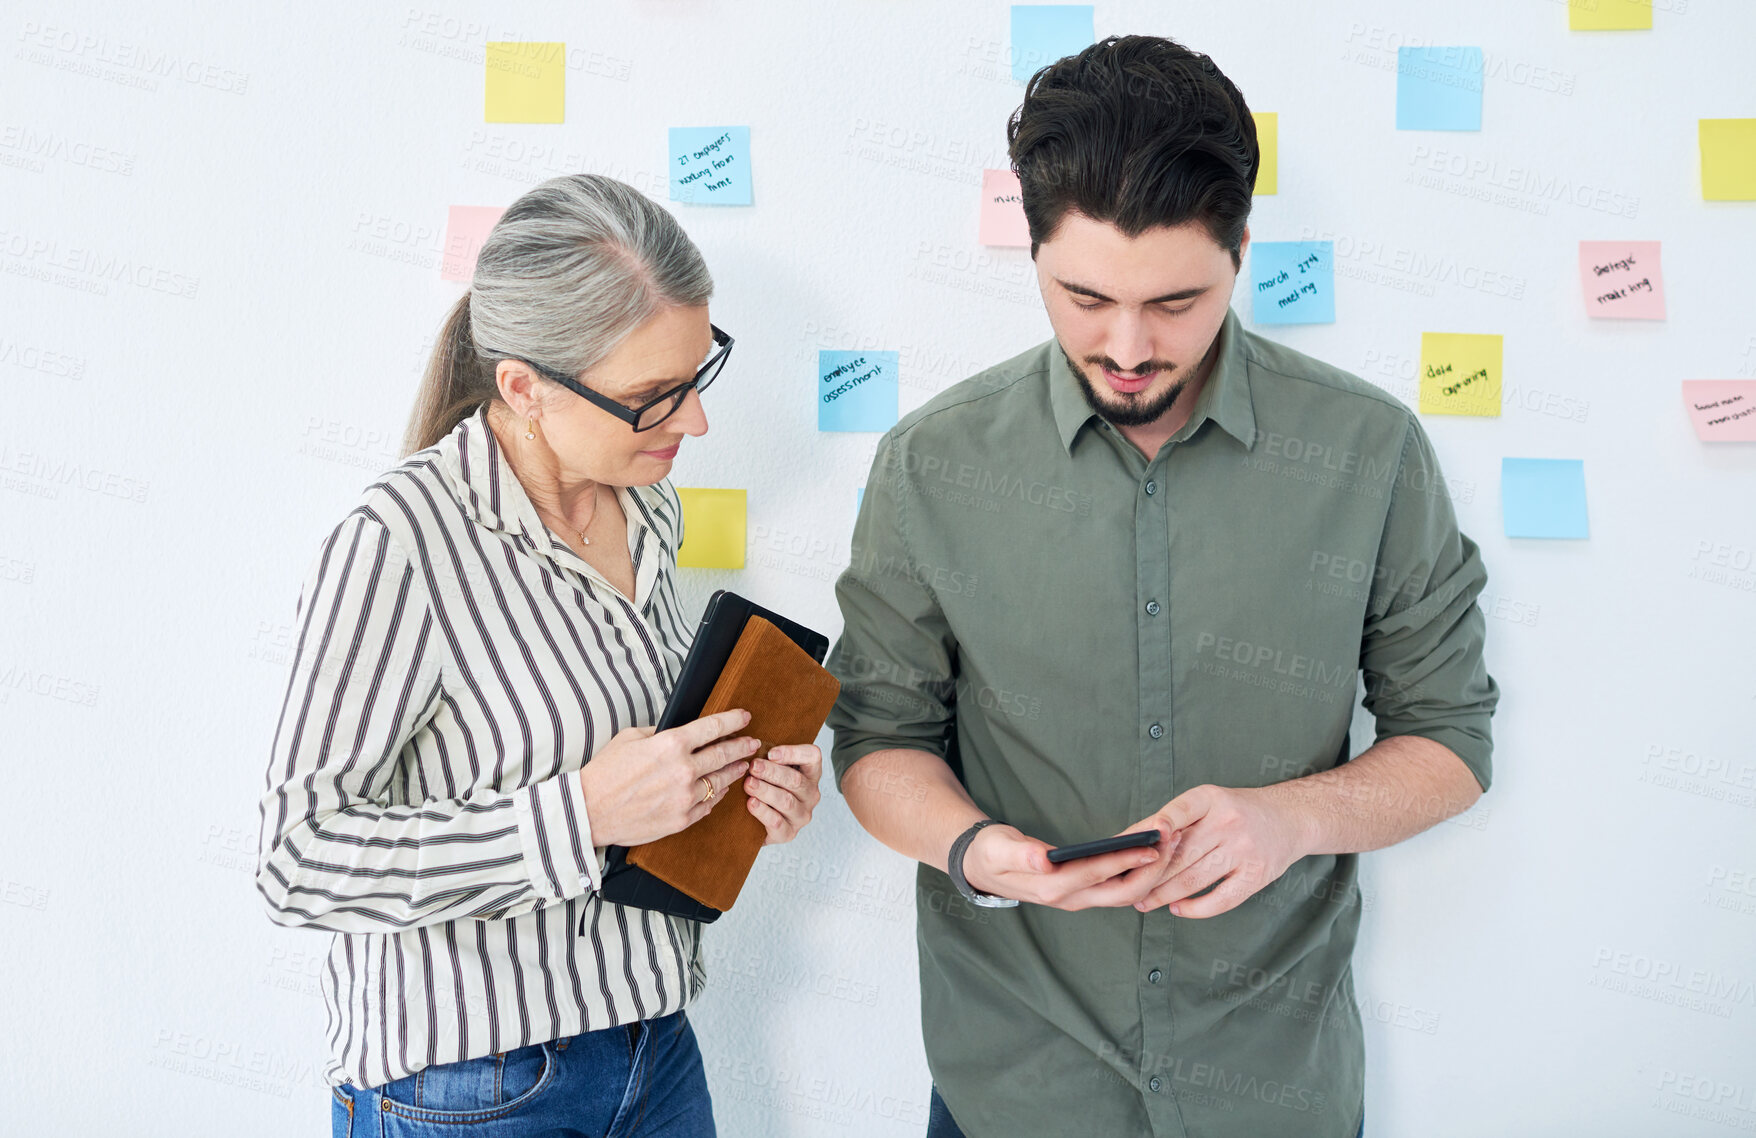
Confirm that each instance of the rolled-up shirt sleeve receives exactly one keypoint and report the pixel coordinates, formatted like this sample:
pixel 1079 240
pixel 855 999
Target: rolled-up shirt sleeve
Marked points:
pixel 336 851
pixel 896 658
pixel 1421 648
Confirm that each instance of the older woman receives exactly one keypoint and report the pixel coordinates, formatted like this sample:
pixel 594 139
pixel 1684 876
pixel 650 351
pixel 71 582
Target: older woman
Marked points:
pixel 485 642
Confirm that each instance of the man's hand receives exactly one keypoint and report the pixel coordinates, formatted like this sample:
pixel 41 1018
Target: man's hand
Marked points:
pixel 1243 839
pixel 1002 861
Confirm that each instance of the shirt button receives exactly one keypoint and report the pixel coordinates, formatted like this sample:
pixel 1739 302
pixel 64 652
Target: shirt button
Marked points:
pixel 1155 1084
pixel 1151 486
pixel 1156 731
pixel 1153 976
pixel 1151 608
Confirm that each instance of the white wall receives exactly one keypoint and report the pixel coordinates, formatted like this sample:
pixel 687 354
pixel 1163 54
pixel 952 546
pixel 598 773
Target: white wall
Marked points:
pixel 175 487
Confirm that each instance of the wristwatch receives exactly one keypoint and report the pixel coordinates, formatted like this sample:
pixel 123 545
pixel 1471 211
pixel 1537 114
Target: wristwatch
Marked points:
pixel 954 866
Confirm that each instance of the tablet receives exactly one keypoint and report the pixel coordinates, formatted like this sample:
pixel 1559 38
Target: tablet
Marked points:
pixel 721 625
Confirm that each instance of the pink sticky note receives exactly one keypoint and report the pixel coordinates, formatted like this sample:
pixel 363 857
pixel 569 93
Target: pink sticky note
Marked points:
pixel 1002 210
pixel 1621 279
pixel 465 230
pixel 1723 410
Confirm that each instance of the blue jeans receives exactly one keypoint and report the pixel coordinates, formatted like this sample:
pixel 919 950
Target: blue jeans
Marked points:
pixel 642 1079
pixel 940 1124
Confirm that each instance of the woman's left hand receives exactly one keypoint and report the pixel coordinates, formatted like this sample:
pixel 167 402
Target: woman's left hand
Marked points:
pixel 783 789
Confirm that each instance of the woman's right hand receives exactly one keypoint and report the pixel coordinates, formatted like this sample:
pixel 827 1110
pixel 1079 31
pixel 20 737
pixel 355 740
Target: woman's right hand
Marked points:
pixel 645 783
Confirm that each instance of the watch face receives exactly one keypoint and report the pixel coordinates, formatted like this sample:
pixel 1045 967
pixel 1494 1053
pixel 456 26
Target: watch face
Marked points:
pixel 989 901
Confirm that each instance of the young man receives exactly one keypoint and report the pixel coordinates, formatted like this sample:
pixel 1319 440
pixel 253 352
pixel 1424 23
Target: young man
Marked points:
pixel 1126 581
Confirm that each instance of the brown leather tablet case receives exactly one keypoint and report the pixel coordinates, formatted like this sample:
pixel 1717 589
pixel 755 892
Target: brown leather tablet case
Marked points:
pixel 789 696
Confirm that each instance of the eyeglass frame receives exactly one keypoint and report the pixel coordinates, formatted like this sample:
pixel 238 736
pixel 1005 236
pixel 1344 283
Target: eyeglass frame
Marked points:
pixel 631 415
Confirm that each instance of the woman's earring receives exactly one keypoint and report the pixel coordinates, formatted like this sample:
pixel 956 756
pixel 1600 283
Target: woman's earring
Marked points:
pixel 530 429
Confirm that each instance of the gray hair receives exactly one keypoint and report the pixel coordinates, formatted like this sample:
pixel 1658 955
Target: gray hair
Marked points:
pixel 568 271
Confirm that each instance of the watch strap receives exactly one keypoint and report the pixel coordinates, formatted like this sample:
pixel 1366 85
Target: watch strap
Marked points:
pixel 954 868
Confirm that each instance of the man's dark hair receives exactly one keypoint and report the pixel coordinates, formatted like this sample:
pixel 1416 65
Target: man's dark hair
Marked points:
pixel 1136 131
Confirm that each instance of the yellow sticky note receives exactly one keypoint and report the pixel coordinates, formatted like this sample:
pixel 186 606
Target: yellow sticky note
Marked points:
pixel 1608 15
pixel 1460 374
pixel 1268 142
pixel 713 528
pixel 1728 160
pixel 526 82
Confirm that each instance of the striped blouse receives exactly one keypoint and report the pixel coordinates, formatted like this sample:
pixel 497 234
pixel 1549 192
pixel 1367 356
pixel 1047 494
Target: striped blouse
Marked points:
pixel 455 667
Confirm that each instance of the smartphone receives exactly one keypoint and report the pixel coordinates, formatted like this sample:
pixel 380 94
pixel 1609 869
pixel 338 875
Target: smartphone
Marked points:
pixel 1105 845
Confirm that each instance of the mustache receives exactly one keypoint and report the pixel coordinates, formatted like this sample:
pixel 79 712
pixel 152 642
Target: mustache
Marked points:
pixel 1109 364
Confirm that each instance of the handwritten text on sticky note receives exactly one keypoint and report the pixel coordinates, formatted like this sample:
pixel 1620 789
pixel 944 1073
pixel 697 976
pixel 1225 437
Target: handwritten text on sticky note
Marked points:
pixel 1460 373
pixel 1621 279
pixel 1002 221
pixel 1723 410
pixel 1292 282
pixel 856 391
pixel 710 165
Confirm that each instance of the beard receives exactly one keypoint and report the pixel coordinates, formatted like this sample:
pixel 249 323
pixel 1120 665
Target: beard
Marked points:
pixel 1120 410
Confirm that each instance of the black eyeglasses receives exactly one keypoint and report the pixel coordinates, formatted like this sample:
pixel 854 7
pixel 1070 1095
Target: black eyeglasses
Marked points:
pixel 656 410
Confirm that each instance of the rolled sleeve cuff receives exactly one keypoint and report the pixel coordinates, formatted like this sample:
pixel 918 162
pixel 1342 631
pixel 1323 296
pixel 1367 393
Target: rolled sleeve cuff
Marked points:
pixel 556 835
pixel 1474 749
pixel 849 748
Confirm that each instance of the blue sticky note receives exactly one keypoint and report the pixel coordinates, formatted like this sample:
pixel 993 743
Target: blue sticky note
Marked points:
pixel 710 165
pixel 1292 282
pixel 1438 88
pixel 856 391
pixel 1043 33
pixel 859 499
pixel 1543 497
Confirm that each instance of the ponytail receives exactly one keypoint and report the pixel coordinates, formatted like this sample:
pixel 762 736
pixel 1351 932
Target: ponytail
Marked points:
pixel 570 269
pixel 455 384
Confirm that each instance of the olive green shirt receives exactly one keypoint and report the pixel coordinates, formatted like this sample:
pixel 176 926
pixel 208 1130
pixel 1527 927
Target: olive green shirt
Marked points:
pixel 1084 634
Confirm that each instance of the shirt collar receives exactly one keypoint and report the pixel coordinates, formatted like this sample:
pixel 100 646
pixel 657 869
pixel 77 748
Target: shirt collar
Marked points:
pixel 483 481
pixel 1225 398
pixel 484 484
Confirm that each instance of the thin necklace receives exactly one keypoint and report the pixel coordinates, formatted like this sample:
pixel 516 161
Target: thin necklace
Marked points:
pixel 594 516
